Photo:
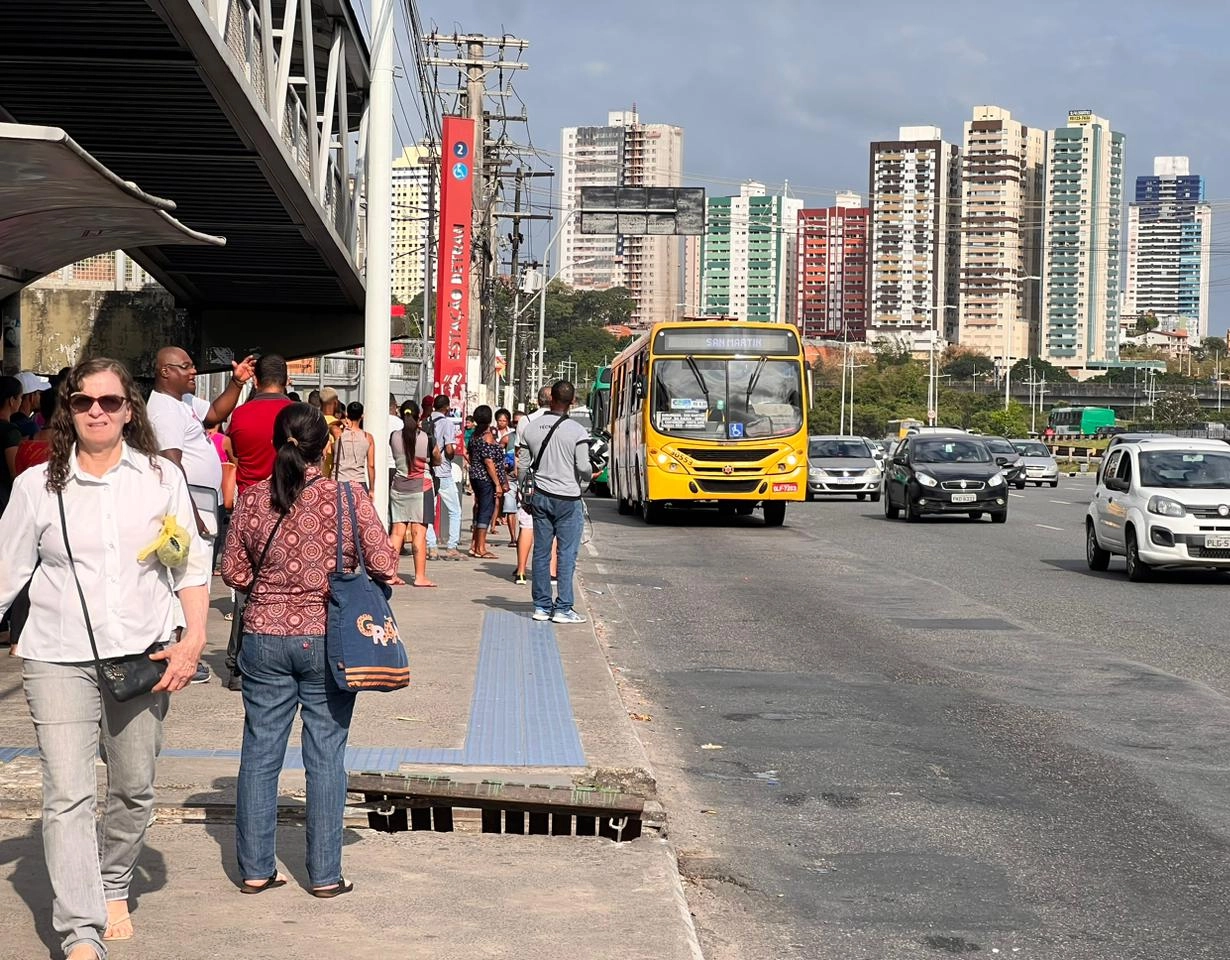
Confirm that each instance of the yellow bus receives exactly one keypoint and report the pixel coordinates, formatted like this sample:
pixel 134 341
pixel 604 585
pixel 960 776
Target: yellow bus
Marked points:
pixel 710 411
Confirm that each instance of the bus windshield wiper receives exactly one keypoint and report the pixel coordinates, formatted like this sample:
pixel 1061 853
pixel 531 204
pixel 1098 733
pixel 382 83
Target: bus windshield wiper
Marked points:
pixel 699 379
pixel 751 384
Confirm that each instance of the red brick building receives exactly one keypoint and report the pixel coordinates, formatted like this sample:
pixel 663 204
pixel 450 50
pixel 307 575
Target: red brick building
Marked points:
pixel 832 271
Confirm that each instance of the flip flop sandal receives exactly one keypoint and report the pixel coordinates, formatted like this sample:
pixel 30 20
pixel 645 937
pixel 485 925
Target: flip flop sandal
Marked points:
pixel 118 930
pixel 272 883
pixel 328 893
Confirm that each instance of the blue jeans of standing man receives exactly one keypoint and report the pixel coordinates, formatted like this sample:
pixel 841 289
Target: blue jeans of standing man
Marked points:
pixel 450 512
pixel 73 717
pixel 555 519
pixel 280 675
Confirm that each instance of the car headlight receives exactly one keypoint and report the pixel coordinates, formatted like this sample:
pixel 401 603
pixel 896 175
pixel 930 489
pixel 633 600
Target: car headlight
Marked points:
pixel 818 473
pixel 996 480
pixel 926 479
pixel 872 473
pixel 1165 507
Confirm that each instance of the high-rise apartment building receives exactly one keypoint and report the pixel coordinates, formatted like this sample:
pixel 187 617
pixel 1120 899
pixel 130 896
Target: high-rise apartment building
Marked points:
pixel 915 207
pixel 1002 192
pixel 1080 242
pixel 413 188
pixel 831 288
pixel 748 258
pixel 624 153
pixel 1169 245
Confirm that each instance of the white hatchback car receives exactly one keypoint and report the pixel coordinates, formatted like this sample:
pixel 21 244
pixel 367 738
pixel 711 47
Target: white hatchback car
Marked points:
pixel 1161 503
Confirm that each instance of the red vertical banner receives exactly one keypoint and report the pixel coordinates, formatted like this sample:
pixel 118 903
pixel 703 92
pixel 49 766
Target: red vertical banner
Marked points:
pixel 453 270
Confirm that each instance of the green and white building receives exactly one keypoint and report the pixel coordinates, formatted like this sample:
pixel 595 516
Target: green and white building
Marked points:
pixel 1081 239
pixel 747 256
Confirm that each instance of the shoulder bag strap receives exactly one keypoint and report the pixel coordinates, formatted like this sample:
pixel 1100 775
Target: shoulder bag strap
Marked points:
pixel 72 565
pixel 545 441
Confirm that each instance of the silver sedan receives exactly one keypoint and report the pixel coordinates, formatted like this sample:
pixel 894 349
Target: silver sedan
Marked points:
pixel 1040 466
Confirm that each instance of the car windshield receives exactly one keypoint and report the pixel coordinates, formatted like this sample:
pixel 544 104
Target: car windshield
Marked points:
pixel 996 445
pixel 1032 450
pixel 1200 470
pixel 819 449
pixel 950 451
pixel 727 399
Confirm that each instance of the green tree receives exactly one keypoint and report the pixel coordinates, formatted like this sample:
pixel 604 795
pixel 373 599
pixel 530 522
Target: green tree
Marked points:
pixel 1144 323
pixel 1040 368
pixel 964 365
pixel 1013 422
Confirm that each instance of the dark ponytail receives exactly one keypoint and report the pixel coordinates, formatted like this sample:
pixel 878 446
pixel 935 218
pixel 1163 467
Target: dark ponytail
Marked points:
pixel 300 436
pixel 409 430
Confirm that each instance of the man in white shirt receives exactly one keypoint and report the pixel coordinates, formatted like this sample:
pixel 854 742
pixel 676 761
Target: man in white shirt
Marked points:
pixel 179 425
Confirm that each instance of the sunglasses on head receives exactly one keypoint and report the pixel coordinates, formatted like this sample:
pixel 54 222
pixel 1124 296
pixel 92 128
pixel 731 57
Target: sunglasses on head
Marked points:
pixel 84 403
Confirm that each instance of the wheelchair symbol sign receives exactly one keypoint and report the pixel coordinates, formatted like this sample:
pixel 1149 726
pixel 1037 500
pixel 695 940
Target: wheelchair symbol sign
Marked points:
pixel 736 431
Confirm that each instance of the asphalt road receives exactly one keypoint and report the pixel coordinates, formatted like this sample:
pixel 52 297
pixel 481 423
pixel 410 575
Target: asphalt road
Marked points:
pixel 880 740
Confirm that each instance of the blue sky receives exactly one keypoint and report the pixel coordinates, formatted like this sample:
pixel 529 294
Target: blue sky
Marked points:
pixel 786 90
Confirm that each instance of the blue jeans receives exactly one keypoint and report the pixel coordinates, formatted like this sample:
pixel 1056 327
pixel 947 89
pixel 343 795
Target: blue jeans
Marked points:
pixel 281 674
pixel 450 512
pixel 562 520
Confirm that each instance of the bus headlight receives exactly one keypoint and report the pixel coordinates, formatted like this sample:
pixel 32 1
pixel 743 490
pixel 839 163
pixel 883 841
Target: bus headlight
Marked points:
pixel 792 460
pixel 667 462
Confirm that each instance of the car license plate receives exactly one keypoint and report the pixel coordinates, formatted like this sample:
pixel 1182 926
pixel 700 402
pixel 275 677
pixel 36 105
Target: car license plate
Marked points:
pixel 964 497
pixel 785 488
pixel 1217 543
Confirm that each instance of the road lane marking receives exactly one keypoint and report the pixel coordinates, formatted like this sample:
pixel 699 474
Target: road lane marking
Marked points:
pixel 1066 503
pixel 1047 526
pixel 1019 496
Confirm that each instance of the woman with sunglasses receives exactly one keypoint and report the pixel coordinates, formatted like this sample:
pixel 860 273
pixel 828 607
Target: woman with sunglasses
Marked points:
pixel 106 487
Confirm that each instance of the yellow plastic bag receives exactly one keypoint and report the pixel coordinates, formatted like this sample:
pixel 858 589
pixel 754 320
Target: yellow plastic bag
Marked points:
pixel 171 545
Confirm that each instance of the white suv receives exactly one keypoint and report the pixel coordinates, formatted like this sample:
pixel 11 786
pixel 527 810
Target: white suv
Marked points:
pixel 1161 503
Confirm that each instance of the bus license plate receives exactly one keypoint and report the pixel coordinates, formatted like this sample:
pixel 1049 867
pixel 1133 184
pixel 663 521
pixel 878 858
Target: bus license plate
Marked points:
pixel 1217 543
pixel 964 497
pixel 785 488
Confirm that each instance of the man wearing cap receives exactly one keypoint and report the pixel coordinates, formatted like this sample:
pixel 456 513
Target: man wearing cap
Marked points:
pixel 31 386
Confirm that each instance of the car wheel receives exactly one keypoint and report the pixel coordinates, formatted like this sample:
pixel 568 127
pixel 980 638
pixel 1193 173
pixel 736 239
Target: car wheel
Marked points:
pixel 875 498
pixel 999 516
pixel 774 513
pixel 860 496
pixel 1054 484
pixel 890 512
pixel 1097 558
pixel 975 515
pixel 809 496
pixel 911 512
pixel 1137 570
pixel 1020 484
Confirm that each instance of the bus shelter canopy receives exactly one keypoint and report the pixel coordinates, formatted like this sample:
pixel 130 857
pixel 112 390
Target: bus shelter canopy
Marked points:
pixel 59 205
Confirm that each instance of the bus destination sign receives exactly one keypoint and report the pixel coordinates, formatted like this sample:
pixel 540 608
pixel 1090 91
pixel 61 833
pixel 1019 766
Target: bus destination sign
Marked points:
pixel 754 341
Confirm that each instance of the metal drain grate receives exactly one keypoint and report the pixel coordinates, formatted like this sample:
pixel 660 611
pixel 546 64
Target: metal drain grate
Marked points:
pixel 400 803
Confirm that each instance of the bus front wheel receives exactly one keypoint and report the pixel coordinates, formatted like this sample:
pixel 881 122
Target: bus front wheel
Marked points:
pixel 624 506
pixel 651 512
pixel 774 513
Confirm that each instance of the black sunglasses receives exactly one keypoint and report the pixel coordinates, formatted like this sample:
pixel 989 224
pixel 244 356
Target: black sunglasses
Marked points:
pixel 84 403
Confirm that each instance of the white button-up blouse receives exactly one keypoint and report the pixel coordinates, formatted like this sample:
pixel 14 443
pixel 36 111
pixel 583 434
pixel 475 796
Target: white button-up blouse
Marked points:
pixel 110 520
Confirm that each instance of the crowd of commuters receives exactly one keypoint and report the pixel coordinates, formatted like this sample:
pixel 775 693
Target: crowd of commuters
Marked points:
pixel 92 472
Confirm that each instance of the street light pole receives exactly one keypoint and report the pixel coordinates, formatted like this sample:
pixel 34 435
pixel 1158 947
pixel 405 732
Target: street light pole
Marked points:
pixel 1008 330
pixel 542 294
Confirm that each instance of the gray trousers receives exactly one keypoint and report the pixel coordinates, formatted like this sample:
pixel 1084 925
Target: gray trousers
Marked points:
pixel 91 861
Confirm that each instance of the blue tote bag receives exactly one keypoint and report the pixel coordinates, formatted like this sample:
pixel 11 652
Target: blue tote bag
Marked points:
pixel 361 640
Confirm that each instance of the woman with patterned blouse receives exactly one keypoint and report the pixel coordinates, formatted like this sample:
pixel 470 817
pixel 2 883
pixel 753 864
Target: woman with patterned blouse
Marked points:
pixel 487 479
pixel 281 549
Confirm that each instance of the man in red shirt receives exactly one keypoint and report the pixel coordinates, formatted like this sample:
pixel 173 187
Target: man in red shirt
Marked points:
pixel 251 427
pixel 251 433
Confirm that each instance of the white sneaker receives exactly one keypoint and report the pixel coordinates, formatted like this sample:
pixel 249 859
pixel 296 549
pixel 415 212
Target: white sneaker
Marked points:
pixel 567 616
pixel 541 614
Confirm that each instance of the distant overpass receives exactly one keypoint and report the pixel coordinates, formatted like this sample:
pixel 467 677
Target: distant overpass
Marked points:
pixel 249 115
pixel 1095 393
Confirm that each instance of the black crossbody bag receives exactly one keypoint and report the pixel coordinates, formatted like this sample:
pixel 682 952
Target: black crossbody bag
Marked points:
pixel 126 677
pixel 529 480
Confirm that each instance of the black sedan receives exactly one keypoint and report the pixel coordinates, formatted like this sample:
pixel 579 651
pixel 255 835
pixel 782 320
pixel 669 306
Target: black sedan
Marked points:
pixel 944 474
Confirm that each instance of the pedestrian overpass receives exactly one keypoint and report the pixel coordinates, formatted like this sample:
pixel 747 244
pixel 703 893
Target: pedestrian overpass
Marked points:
pixel 250 115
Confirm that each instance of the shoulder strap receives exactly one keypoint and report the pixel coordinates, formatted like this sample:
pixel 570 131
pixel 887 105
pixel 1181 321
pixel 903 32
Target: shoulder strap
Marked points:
pixel 545 441
pixel 72 565
pixel 354 529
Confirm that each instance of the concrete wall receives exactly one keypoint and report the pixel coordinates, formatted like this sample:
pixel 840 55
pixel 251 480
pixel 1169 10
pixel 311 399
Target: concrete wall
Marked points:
pixel 61 326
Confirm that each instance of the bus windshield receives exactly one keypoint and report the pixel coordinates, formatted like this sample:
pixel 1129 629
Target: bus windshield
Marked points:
pixel 727 399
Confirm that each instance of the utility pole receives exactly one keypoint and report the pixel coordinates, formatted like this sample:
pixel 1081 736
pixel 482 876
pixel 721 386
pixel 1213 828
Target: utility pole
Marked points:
pixel 426 384
pixel 516 280
pixel 377 315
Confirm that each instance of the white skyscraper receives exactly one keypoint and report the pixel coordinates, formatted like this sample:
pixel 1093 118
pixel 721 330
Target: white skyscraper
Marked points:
pixel 413 185
pixel 1002 189
pixel 915 212
pixel 1080 242
pixel 1169 246
pixel 626 153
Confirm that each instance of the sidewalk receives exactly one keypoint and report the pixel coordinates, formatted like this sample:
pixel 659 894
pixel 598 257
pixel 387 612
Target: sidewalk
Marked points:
pixel 494 696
